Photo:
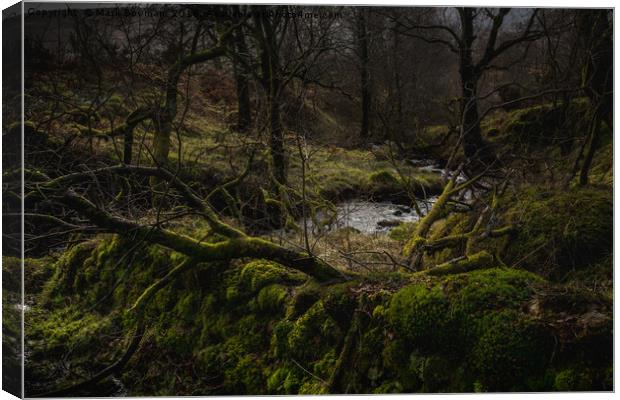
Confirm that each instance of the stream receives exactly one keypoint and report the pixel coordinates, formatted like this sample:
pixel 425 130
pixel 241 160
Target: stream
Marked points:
pixel 380 217
pixel 377 217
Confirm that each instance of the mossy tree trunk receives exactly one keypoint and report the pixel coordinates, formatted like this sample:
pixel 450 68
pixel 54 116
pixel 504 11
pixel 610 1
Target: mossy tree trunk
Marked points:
pixel 164 117
pixel 137 116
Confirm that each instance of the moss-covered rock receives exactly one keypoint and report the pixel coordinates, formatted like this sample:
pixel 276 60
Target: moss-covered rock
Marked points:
pixel 559 232
pixel 512 351
pixel 492 289
pixel 387 184
pixel 340 303
pixel 260 273
pixel 477 326
pixel 309 332
pixel 384 177
pixel 272 298
pixel 305 297
pixel 545 124
pixel 422 318
pixel 66 271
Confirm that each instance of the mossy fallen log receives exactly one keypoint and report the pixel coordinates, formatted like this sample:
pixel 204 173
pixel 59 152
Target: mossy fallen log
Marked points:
pixel 235 245
pixel 464 264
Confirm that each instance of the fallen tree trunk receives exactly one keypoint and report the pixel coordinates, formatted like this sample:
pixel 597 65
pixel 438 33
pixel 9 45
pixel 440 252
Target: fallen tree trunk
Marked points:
pixel 229 249
pixel 235 245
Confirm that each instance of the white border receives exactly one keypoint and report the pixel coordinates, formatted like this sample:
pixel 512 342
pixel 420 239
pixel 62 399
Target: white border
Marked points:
pixel 527 3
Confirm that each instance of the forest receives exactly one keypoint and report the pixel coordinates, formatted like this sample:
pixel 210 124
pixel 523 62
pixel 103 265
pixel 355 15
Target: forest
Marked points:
pixel 252 199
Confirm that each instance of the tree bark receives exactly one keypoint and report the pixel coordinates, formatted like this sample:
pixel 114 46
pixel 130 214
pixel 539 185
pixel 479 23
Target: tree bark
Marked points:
pixel 594 140
pixel 244 117
pixel 472 136
pixel 270 80
pixel 362 39
pixel 164 118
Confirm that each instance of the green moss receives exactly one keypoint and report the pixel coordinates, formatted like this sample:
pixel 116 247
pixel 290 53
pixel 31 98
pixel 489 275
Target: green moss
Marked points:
pixel 69 328
pixel 313 387
pixel 340 303
pixel 601 172
pixel 511 348
pixel 259 273
pixel 305 297
pixel 342 184
pixel 492 289
pixel 325 366
pixel 247 375
pixel 12 274
pixel 279 338
pixel 259 328
pixel 275 382
pixel 66 271
pixel 423 319
pixel 292 382
pixel 414 242
pixel 37 271
pixel 272 298
pixel 384 177
pixel 393 387
pixel 560 231
pixel 187 306
pixel 431 371
pixel 545 124
pixel 311 334
pixel 402 232
pixel 480 260
pixel 426 184
pixel 435 132
pixel 571 380
pixel 473 326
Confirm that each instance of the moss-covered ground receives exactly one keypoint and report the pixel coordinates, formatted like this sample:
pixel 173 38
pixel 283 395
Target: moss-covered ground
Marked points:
pixel 261 328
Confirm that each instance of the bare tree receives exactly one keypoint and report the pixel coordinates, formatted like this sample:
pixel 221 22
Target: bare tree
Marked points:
pixel 463 42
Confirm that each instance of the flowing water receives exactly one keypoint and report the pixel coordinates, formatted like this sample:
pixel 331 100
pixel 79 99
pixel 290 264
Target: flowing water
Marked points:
pixel 371 217
pixel 377 217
